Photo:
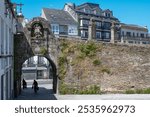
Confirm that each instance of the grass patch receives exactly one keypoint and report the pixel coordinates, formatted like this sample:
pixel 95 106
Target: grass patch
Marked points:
pixel 89 49
pixel 91 90
pixel 64 89
pixel 138 91
pixel 130 92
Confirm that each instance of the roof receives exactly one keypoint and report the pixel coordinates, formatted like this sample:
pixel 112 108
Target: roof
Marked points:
pixel 59 17
pixel 91 5
pixel 133 26
pixel 107 10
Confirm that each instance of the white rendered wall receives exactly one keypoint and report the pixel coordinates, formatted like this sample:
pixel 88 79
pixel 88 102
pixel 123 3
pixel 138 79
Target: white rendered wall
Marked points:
pixel 43 15
pixel 71 12
pixel 134 31
pixel 6 64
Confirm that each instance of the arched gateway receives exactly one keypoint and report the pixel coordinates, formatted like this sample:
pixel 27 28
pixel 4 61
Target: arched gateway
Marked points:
pixel 36 39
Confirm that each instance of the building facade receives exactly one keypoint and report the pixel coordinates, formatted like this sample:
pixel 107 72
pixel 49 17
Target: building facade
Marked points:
pixel 88 21
pixel 93 22
pixel 7 31
pixel 36 68
pixel 62 24
pixel 134 34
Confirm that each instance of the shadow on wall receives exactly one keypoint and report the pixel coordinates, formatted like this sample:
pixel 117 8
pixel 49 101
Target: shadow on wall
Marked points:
pixel 22 51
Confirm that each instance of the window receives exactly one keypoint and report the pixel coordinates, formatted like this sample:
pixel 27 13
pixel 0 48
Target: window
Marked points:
pixel 87 11
pixel 72 30
pixel 84 34
pixel 133 34
pixel 2 36
pixel 122 33
pixel 85 23
pixel 55 29
pixel 98 35
pixel 6 39
pixel 106 25
pixel 128 34
pixel 63 29
pixel 142 35
pixel 2 87
pixel 39 73
pixel 107 35
pixel 107 14
pixel 40 60
pixel 10 42
pixel 98 25
pixel 130 42
pixel 144 42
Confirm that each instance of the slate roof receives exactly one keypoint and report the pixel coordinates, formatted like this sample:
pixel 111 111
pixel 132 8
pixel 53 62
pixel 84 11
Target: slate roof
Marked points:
pixel 91 5
pixel 59 17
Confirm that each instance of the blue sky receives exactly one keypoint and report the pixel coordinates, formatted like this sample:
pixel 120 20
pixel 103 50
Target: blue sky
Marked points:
pixel 127 11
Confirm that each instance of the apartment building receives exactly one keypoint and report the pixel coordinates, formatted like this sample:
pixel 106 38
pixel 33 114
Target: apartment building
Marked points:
pixel 88 21
pixel 91 14
pixel 7 30
pixel 134 34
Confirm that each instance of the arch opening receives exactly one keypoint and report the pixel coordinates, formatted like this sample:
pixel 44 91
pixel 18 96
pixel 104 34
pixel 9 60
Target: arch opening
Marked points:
pixel 43 70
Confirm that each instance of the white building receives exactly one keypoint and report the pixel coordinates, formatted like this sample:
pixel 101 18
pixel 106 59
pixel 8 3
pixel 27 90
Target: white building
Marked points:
pixel 7 30
pixel 62 24
pixel 36 68
pixel 134 34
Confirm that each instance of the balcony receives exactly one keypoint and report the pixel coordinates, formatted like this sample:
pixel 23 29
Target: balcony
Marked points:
pixel 63 33
pixel 85 25
pixel 106 28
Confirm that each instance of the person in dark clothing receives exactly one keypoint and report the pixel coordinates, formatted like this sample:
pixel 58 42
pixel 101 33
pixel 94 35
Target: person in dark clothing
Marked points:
pixel 35 86
pixel 24 83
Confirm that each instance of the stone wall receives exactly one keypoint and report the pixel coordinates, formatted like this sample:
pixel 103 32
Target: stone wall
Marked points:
pixel 113 68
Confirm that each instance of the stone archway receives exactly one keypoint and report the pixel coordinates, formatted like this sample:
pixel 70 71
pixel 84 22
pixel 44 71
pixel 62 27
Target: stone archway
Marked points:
pixel 36 39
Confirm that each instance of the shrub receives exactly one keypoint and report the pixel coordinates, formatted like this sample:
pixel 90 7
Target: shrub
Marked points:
pixel 89 49
pixel 96 62
pixel 146 91
pixel 61 60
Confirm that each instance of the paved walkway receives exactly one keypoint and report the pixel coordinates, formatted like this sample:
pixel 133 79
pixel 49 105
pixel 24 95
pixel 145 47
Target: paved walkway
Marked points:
pixel 45 91
pixel 105 97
